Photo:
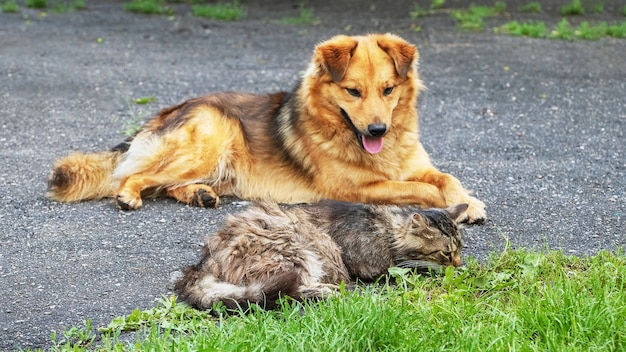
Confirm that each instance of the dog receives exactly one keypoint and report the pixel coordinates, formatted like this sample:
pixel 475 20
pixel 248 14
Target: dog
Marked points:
pixel 348 132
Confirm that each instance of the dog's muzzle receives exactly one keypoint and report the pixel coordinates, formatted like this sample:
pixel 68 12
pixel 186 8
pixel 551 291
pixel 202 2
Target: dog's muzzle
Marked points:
pixel 372 141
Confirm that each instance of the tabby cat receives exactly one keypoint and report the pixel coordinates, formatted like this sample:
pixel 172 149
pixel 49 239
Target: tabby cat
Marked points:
pixel 306 251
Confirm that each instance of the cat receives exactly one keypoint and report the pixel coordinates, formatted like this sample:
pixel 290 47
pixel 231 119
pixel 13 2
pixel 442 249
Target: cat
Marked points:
pixel 305 251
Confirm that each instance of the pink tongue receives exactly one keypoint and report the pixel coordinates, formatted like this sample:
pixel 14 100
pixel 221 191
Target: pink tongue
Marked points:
pixel 373 145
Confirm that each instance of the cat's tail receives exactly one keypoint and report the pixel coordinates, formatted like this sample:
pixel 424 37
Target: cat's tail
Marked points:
pixel 202 291
pixel 81 176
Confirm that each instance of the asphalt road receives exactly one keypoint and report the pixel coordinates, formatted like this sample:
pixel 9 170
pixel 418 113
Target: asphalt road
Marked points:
pixel 535 127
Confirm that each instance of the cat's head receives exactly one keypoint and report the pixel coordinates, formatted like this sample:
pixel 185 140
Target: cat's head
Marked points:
pixel 432 239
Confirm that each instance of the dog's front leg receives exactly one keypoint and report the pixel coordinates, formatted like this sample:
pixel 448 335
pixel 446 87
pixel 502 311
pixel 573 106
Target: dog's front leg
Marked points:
pixel 423 194
pixel 436 189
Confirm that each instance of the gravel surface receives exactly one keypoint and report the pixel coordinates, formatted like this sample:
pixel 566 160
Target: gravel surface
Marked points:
pixel 535 127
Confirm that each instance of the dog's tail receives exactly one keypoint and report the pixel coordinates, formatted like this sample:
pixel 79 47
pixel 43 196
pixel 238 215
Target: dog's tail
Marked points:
pixel 203 290
pixel 81 176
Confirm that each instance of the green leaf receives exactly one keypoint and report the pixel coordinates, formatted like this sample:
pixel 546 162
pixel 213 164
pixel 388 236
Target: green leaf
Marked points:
pixel 144 100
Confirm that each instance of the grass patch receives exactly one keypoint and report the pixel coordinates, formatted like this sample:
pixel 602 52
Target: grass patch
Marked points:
pixel 598 8
pixel 148 7
pixel 591 32
pixel 563 30
pixel 56 6
pixel 306 15
pixel 74 338
pixel 79 4
pixel 231 11
pixel 473 18
pixel 419 11
pixel 9 7
pixel 437 4
pixel 36 4
pixel 574 8
pixel 617 31
pixel 134 123
pixel 528 29
pixel 518 300
pixel 61 7
pixel 531 7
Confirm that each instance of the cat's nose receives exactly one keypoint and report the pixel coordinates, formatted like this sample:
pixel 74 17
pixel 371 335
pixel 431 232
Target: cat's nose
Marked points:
pixel 456 261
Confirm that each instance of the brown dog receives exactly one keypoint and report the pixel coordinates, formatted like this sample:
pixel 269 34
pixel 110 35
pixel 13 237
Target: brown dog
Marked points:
pixel 349 131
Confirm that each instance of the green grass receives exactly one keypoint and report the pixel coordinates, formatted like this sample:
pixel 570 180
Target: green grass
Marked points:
pixel 419 11
pixel 591 32
pixel 9 6
pixel 563 30
pixel 134 123
pixel 517 301
pixel 79 4
pixel 574 8
pixel 617 31
pixel 148 7
pixel 532 7
pixel 306 15
pixel 36 4
pixel 437 4
pixel 230 11
pixel 64 7
pixel 597 8
pixel 528 29
pixel 144 100
pixel 473 18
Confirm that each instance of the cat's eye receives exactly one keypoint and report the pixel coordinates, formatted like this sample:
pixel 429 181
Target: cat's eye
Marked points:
pixel 387 91
pixel 354 92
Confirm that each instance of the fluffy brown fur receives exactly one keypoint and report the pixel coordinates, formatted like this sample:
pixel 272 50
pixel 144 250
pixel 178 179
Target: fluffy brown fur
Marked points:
pixel 349 131
pixel 306 251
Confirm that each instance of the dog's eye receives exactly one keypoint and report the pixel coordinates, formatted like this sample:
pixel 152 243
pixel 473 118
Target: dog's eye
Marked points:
pixel 354 92
pixel 387 91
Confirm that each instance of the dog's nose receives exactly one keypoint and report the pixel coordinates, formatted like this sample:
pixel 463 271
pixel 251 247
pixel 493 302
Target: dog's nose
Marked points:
pixel 377 129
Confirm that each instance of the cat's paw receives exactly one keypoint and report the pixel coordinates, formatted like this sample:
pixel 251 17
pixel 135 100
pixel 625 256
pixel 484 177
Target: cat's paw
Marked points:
pixel 127 201
pixel 475 213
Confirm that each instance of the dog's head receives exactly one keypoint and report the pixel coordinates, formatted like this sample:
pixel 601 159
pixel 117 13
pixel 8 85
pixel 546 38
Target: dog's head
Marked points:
pixel 364 79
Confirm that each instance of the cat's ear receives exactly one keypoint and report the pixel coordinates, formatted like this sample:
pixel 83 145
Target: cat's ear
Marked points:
pixel 457 212
pixel 419 221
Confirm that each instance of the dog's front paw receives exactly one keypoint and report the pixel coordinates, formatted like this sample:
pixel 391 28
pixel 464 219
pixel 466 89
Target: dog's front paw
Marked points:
pixel 476 213
pixel 127 202
pixel 205 198
pixel 199 195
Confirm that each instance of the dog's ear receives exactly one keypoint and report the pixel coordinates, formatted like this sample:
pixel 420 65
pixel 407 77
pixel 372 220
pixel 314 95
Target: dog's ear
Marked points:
pixel 404 54
pixel 334 55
